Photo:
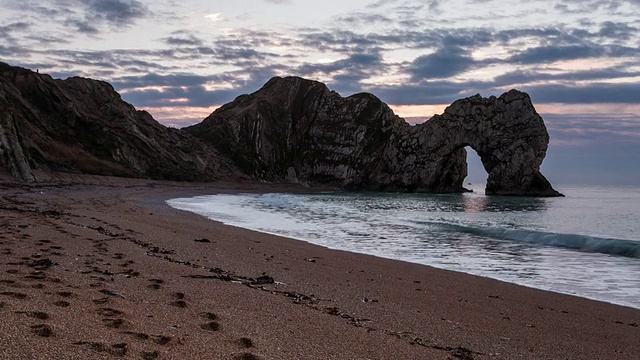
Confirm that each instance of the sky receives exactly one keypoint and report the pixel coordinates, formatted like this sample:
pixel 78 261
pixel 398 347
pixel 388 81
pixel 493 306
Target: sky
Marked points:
pixel 578 59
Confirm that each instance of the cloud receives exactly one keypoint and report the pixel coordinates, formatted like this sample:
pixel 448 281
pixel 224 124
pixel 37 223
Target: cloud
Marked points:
pixel 583 129
pixel 536 76
pixel 153 90
pixel 15 26
pixel 582 6
pixel 83 26
pixel 617 30
pixel 183 40
pixel 362 18
pixel 84 16
pixel 115 12
pixel 431 92
pixel 445 62
pixel 550 54
pixel 586 94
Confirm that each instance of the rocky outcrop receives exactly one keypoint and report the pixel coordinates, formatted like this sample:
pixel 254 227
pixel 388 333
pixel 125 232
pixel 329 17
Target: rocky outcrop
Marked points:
pixel 292 129
pixel 298 130
pixel 83 126
pixel 506 132
pixel 11 154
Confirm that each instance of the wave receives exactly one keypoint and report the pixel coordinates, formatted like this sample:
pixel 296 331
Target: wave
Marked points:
pixel 586 243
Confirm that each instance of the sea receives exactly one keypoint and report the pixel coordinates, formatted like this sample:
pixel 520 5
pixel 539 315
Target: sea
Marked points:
pixel 585 244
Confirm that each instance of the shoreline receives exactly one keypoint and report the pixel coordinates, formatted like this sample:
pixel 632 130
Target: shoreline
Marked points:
pixel 631 305
pixel 174 284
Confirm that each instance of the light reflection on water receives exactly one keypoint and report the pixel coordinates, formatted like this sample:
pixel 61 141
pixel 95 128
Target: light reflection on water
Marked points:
pixel 506 238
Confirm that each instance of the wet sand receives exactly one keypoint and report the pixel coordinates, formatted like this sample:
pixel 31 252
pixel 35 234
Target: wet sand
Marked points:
pixel 101 268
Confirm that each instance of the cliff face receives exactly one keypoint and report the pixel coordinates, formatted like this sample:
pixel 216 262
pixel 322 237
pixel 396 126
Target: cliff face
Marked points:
pixel 12 155
pixel 82 125
pixel 299 130
pixel 290 130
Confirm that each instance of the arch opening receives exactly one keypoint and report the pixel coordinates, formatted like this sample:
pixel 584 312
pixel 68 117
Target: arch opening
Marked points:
pixel 476 179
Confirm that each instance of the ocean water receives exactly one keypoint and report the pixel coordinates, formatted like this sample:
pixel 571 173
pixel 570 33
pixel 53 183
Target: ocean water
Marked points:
pixel 586 244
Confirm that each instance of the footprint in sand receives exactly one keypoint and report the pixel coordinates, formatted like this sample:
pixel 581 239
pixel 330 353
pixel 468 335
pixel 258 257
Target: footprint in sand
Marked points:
pixel 245 342
pixel 115 350
pixel 246 356
pixel 155 284
pixel 61 303
pixel 131 273
pixel 109 312
pixel 149 355
pixel 211 325
pixel 113 323
pixel 138 335
pixel 180 300
pixel 101 301
pixel 160 339
pixel 35 314
pixel 14 295
pixel 42 330
pixel 36 275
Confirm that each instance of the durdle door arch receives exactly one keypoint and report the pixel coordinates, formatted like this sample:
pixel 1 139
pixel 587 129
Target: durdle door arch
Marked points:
pixel 507 134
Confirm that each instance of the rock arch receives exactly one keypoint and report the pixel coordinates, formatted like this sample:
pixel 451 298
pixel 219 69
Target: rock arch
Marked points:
pixel 294 129
pixel 506 132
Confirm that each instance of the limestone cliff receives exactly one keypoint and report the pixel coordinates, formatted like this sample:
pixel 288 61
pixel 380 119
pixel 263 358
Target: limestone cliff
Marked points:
pixel 299 130
pixel 82 125
pixel 11 153
pixel 290 130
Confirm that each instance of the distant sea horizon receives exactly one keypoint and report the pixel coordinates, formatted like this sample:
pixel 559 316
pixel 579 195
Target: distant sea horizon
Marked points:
pixel 586 244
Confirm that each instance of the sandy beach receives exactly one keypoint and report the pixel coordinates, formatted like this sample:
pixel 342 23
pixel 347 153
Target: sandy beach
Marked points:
pixel 101 268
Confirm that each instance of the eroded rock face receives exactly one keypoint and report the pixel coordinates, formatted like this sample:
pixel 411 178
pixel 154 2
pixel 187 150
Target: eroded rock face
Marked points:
pixel 290 130
pixel 83 126
pixel 506 132
pixel 298 130
pixel 11 153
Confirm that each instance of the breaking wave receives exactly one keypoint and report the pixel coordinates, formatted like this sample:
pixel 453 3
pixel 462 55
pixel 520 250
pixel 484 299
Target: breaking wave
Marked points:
pixel 586 243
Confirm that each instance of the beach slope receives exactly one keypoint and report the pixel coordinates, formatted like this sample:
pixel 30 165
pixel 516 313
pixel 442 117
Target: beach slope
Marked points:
pixel 100 268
